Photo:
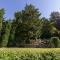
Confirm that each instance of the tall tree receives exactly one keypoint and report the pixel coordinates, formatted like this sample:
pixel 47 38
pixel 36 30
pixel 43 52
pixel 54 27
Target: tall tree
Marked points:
pixel 28 24
pixel 5 36
pixel 55 18
pixel 1 19
pixel 46 29
pixel 12 41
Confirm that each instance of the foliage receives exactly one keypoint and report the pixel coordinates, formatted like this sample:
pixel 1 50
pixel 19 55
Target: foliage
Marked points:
pixel 55 42
pixel 11 40
pixel 28 25
pixel 54 16
pixel 46 29
pixel 1 18
pixel 1 21
pixel 5 36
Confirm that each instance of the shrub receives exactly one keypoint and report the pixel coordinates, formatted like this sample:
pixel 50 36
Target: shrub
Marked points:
pixel 55 42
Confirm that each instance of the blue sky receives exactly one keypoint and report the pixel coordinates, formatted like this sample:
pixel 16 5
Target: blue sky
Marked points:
pixel 44 6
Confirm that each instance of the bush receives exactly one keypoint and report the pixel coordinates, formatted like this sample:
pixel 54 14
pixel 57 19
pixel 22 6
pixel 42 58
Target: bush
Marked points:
pixel 55 42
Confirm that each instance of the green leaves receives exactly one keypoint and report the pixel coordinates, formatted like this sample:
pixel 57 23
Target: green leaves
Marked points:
pixel 1 18
pixel 5 36
pixel 28 24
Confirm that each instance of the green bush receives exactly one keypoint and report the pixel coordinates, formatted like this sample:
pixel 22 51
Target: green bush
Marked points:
pixel 55 42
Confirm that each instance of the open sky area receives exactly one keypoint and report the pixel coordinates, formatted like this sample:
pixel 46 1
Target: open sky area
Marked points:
pixel 44 6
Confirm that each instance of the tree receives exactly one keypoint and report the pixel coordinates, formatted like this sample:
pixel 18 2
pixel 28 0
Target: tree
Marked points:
pixel 12 41
pixel 46 29
pixel 55 18
pixel 28 24
pixel 5 36
pixel 1 19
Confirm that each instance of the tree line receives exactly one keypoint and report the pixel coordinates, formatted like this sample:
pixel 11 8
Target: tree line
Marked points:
pixel 28 25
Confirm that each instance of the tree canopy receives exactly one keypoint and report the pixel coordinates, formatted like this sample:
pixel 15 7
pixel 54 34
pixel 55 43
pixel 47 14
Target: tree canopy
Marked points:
pixel 29 25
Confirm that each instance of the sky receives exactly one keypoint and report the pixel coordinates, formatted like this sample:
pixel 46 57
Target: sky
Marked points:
pixel 44 6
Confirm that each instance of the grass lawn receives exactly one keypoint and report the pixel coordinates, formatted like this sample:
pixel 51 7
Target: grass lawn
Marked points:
pixel 29 53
